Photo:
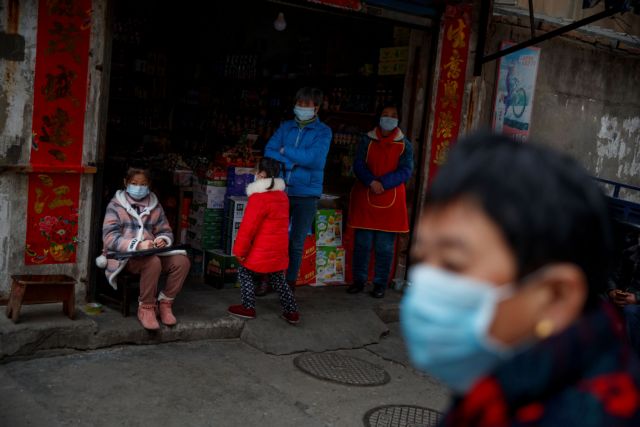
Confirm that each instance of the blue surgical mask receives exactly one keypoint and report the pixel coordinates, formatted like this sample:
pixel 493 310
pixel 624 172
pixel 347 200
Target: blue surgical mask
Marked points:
pixel 388 123
pixel 445 319
pixel 304 113
pixel 138 192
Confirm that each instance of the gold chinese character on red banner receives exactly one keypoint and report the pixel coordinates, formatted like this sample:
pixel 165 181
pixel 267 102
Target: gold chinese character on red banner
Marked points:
pixel 441 153
pixel 456 34
pixel 445 125
pixel 450 98
pixel 453 65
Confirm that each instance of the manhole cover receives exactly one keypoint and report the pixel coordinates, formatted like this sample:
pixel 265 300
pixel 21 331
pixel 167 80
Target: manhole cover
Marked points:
pixel 341 369
pixel 402 416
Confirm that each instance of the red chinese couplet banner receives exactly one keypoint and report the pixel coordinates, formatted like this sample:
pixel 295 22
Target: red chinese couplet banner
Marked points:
pixel 60 89
pixel 453 65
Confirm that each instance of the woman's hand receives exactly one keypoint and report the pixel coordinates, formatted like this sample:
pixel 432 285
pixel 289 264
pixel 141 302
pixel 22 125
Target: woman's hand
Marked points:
pixel 159 243
pixel 376 187
pixel 621 298
pixel 144 245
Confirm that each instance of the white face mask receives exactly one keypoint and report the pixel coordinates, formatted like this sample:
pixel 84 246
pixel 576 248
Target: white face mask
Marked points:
pixel 445 318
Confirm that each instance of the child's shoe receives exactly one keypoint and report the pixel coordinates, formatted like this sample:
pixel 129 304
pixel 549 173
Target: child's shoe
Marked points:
pixel 166 314
pixel 241 311
pixel 147 317
pixel 292 317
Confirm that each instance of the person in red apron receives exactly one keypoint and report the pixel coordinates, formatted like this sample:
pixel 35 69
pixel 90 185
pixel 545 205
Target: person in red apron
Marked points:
pixel 378 206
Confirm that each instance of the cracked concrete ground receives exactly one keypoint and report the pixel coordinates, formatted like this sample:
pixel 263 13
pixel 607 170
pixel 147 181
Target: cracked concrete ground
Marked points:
pixel 204 383
pixel 331 319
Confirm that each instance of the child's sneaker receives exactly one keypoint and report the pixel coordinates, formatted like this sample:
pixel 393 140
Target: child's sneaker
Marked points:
pixel 292 317
pixel 241 311
pixel 147 316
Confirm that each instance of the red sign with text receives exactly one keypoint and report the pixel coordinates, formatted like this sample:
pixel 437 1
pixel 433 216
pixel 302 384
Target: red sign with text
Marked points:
pixel 453 65
pixel 59 102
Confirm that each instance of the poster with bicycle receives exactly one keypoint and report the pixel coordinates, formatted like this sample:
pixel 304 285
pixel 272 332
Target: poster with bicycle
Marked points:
pixel 515 88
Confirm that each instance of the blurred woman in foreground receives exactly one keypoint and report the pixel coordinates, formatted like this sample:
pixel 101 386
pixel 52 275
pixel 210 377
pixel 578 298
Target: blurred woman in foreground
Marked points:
pixel 511 257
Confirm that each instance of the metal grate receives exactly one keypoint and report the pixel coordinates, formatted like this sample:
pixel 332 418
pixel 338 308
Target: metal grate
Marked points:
pixel 402 416
pixel 341 369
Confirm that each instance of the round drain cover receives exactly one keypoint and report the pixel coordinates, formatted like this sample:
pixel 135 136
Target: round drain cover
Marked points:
pixel 402 416
pixel 341 369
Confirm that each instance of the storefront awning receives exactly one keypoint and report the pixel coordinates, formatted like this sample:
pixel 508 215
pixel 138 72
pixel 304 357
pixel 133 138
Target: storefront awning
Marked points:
pixel 428 8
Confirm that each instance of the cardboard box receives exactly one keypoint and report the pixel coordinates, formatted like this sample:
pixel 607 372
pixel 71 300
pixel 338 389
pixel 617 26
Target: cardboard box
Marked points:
pixel 221 270
pixel 230 234
pixel 210 197
pixel 238 179
pixel 329 227
pixel 330 264
pixel 182 178
pixel 307 272
pixel 236 207
pixel 394 54
pixel 392 68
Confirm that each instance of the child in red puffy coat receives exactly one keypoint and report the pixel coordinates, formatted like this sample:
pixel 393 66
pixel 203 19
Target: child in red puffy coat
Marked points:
pixel 262 244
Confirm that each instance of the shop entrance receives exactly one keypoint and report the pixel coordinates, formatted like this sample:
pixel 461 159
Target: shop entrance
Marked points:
pixel 194 91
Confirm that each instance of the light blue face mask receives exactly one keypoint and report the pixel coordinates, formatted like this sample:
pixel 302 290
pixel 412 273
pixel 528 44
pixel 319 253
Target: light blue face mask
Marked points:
pixel 445 319
pixel 388 123
pixel 138 192
pixel 304 113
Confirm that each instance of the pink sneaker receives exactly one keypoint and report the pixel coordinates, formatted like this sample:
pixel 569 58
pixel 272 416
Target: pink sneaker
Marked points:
pixel 147 316
pixel 293 317
pixel 240 311
pixel 166 315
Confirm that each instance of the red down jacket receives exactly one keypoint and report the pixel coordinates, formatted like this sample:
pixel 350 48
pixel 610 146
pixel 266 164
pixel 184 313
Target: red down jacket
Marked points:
pixel 263 237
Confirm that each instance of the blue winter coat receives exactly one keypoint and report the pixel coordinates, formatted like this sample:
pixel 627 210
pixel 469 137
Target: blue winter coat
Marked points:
pixel 304 155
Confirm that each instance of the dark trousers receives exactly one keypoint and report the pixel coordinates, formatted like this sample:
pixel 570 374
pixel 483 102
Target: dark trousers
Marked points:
pixel 631 315
pixel 383 243
pixel 302 212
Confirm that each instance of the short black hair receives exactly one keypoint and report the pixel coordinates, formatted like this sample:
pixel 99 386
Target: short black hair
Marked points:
pixel 312 94
pixel 547 206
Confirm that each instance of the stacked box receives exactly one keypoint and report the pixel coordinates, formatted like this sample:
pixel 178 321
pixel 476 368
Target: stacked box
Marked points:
pixel 221 270
pixel 307 272
pixel 393 61
pixel 206 216
pixel 330 265
pixel 330 255
pixel 329 227
pixel 235 213
pixel 182 178
pixel 238 179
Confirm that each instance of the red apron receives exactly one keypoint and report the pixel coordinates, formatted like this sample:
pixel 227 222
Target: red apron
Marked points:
pixel 386 211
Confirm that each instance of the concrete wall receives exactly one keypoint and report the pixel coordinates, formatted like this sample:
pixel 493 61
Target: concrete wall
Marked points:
pixel 587 102
pixel 19 19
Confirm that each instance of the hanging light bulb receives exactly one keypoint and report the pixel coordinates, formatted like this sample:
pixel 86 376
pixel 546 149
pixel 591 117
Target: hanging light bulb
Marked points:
pixel 280 24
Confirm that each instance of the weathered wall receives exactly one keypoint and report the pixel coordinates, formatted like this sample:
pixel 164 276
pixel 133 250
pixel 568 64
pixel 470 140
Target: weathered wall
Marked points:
pixel 587 102
pixel 16 97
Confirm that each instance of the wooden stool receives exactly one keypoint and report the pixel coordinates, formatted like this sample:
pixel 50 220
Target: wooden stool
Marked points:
pixel 41 289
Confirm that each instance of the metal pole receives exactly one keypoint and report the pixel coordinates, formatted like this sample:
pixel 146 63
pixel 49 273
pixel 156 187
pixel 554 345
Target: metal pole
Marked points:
pixel 551 34
pixel 482 37
pixel 531 23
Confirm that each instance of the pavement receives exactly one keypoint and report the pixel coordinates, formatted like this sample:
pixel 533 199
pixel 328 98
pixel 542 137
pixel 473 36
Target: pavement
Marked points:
pixel 206 383
pixel 331 320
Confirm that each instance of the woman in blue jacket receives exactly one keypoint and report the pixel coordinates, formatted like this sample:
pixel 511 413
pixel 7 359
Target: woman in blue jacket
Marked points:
pixel 302 145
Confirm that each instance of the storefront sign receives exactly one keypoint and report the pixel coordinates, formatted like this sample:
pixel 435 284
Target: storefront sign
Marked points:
pixel 342 4
pixel 58 124
pixel 515 88
pixel 453 66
